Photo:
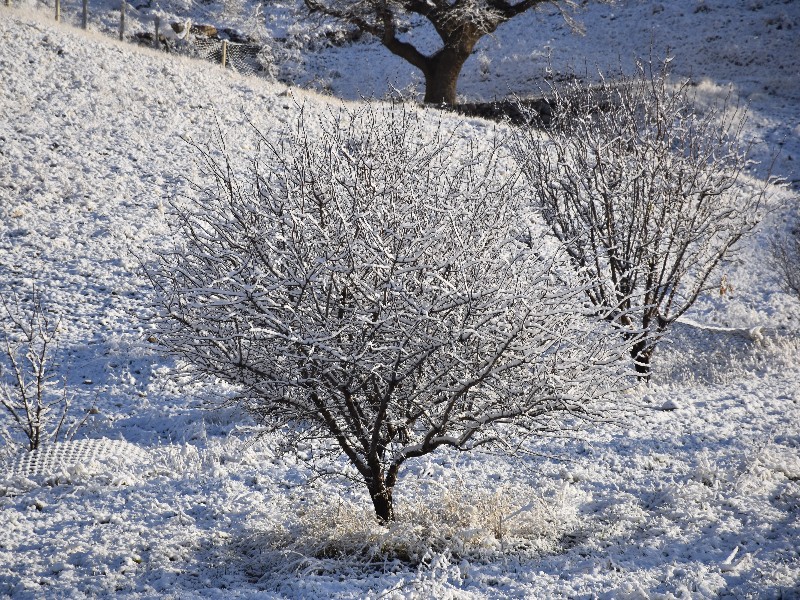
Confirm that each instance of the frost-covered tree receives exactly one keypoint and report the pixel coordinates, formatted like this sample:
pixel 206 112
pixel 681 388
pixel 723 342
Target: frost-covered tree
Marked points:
pixel 647 191
pixel 460 24
pixel 366 285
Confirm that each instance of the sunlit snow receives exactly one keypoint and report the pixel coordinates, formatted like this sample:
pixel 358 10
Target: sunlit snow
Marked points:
pixel 695 495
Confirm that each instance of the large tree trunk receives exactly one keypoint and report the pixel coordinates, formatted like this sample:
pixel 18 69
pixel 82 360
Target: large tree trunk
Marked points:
pixel 382 501
pixel 444 67
pixel 441 82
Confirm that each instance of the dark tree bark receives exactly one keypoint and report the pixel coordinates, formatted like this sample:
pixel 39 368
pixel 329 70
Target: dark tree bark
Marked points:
pixel 642 354
pixel 441 78
pixel 382 501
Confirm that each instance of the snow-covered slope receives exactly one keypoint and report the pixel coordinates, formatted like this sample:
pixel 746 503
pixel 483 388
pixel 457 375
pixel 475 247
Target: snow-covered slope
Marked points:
pixel 697 496
pixel 746 46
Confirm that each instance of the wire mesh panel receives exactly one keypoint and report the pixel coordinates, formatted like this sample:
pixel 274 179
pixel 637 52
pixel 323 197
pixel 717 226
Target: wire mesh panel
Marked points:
pixel 207 49
pixel 56 458
pixel 242 58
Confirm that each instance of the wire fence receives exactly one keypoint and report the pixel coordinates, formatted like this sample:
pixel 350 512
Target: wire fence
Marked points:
pixel 242 57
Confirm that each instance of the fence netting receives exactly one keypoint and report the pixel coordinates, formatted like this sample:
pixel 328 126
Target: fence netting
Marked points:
pixel 242 58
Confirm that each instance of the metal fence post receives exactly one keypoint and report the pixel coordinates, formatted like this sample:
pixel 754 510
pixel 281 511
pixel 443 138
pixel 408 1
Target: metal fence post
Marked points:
pixel 58 10
pixel 224 53
pixel 122 20
pixel 85 21
pixel 156 45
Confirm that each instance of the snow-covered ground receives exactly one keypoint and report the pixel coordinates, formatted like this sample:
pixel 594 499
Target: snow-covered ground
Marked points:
pixel 699 501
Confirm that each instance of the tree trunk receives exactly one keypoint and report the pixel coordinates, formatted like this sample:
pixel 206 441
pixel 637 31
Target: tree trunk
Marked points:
pixel 382 501
pixel 642 353
pixel 441 77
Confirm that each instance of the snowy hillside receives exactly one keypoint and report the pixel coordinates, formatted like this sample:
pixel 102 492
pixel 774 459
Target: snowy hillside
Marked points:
pixel 696 495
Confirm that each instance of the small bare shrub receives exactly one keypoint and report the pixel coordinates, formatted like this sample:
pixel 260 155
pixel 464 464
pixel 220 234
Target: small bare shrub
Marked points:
pixel 29 392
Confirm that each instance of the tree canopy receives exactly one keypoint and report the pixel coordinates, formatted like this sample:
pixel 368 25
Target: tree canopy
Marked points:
pixel 374 285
